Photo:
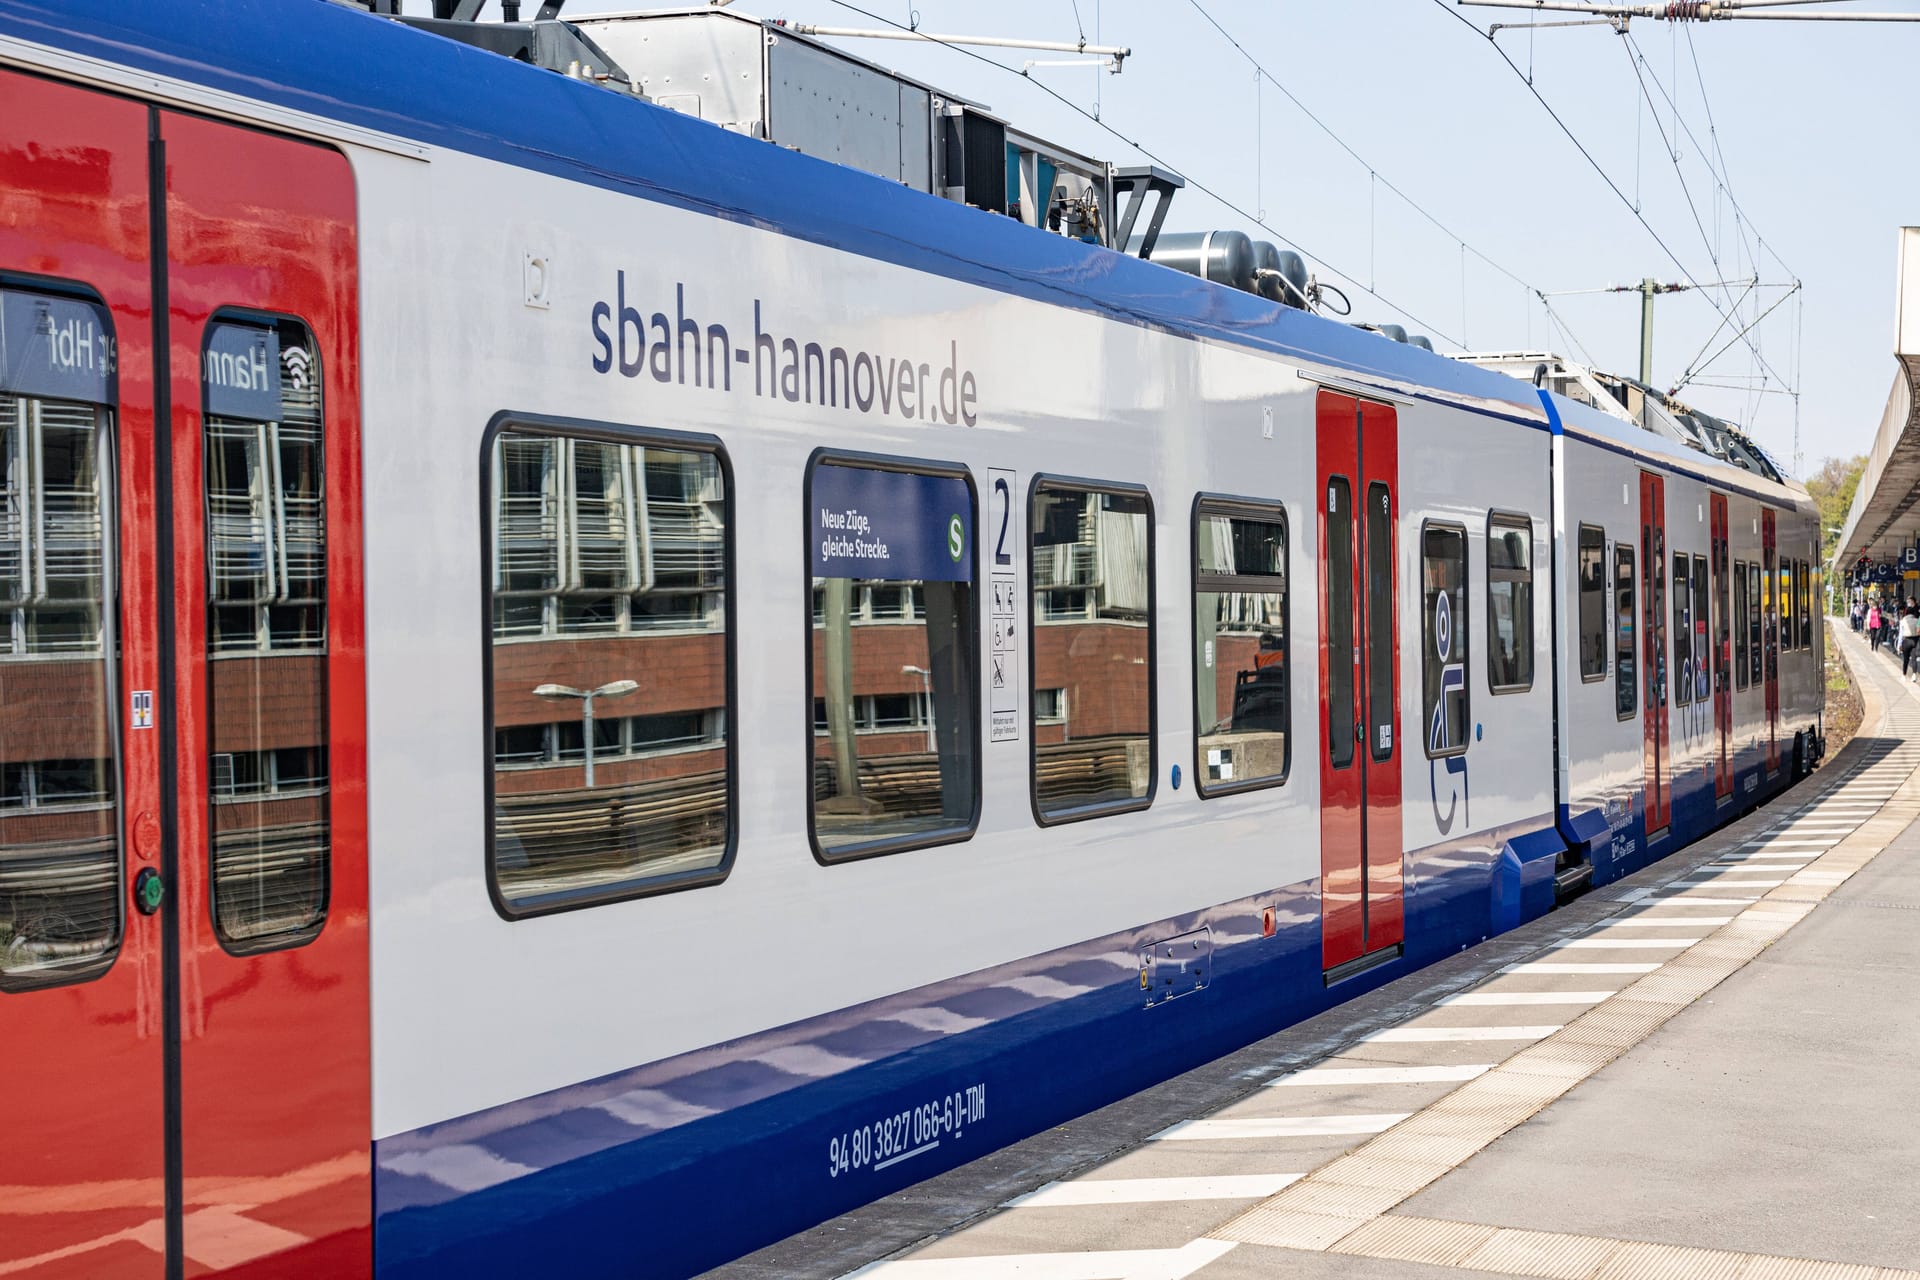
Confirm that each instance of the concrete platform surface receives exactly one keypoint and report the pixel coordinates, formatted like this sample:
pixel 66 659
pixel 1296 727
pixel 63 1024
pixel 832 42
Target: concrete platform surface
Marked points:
pixel 1778 1114
pixel 1707 1071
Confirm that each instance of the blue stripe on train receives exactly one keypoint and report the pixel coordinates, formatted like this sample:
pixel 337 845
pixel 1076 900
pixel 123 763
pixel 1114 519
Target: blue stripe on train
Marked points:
pixel 681 1165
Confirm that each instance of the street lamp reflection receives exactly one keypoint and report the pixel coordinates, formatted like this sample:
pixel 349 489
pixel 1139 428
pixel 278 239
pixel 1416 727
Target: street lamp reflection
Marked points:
pixel 612 689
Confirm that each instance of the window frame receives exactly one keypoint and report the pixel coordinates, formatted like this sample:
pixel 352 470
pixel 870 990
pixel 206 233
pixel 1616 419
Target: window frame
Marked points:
pixel 1703 595
pixel 519 422
pixel 290 940
pixel 1466 611
pixel 1052 480
pixel 1788 616
pixel 1679 632
pixel 1739 610
pixel 113 631
pixel 1338 737
pixel 1267 510
pixel 900 464
pixel 1605 593
pixel 1513 520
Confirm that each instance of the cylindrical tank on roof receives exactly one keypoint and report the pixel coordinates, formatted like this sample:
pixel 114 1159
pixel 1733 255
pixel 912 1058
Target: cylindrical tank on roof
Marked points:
pixel 1393 331
pixel 1225 257
pixel 1293 268
pixel 1266 271
pixel 1421 341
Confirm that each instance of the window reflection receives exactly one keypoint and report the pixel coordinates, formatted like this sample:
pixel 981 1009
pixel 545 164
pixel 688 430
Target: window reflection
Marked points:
pixel 609 665
pixel 1241 668
pixel 893 671
pixel 266 556
pixel 1092 602
pixel 59 786
pixel 1443 649
pixel 1509 603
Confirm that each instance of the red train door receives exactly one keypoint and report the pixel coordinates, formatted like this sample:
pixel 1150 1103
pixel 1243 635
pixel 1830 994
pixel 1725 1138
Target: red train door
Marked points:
pixel 1653 571
pixel 182 809
pixel 1722 651
pixel 1357 445
pixel 274 1059
pixel 80 956
pixel 1770 637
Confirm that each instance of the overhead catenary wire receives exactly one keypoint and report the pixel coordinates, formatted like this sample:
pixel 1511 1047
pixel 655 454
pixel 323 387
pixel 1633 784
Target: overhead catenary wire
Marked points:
pixel 1374 177
pixel 1159 159
pixel 1448 8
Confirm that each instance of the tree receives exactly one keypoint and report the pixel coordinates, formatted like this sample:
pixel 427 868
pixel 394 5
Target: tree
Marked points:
pixel 1831 488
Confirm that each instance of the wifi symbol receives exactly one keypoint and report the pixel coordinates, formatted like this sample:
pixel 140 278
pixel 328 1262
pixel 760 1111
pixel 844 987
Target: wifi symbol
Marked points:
pixel 299 366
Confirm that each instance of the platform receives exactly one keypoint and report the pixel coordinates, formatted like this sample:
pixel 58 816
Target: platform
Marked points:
pixel 1705 1070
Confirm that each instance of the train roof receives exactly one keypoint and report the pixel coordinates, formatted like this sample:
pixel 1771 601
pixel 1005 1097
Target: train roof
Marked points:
pixel 327 60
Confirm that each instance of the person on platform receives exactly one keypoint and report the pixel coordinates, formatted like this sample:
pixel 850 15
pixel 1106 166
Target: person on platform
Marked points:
pixel 1873 624
pixel 1909 641
pixel 1857 615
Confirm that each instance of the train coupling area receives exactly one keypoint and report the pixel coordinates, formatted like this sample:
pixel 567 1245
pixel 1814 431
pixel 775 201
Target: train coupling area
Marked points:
pixel 1702 1071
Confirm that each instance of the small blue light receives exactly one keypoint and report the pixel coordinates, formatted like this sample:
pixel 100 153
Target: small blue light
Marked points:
pixel 1176 777
pixel 1479 731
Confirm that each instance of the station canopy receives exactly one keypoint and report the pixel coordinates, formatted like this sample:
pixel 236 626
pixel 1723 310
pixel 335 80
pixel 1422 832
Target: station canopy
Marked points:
pixel 1885 518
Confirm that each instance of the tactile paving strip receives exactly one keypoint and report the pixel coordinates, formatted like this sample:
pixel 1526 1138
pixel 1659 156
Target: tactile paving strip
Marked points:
pixel 1452 1130
pixel 1345 1206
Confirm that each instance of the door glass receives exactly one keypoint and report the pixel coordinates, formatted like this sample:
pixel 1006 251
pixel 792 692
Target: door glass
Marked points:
pixel 1754 645
pixel 1682 631
pixel 1340 690
pixel 1626 652
pixel 1740 624
pixel 59 758
pixel 266 549
pixel 1379 622
pixel 1702 664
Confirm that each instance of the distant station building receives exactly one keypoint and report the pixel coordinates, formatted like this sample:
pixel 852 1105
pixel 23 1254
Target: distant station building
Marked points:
pixel 1879 549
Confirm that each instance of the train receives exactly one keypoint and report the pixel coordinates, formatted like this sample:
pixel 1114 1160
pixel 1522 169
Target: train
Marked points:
pixel 586 690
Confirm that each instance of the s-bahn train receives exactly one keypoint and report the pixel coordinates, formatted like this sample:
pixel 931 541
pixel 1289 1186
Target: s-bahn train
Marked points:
pixel 583 691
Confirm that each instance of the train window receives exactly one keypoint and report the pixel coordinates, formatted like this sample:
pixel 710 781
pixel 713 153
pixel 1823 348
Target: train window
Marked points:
pixel 609 557
pixel 1756 604
pixel 1800 605
pixel 1241 670
pixel 1091 571
pixel 1789 623
pixel 1593 603
pixel 1626 691
pixel 1739 624
pixel 1702 645
pixel 60 888
pixel 895 751
pixel 1682 630
pixel 1340 659
pixel 1443 648
pixel 1509 603
pixel 264 449
pixel 1803 602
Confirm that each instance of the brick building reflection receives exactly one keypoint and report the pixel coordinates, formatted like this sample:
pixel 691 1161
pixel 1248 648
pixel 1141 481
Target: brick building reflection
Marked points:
pixel 609 564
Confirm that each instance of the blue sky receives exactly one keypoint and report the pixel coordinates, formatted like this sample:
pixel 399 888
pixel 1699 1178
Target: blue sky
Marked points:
pixel 1807 116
